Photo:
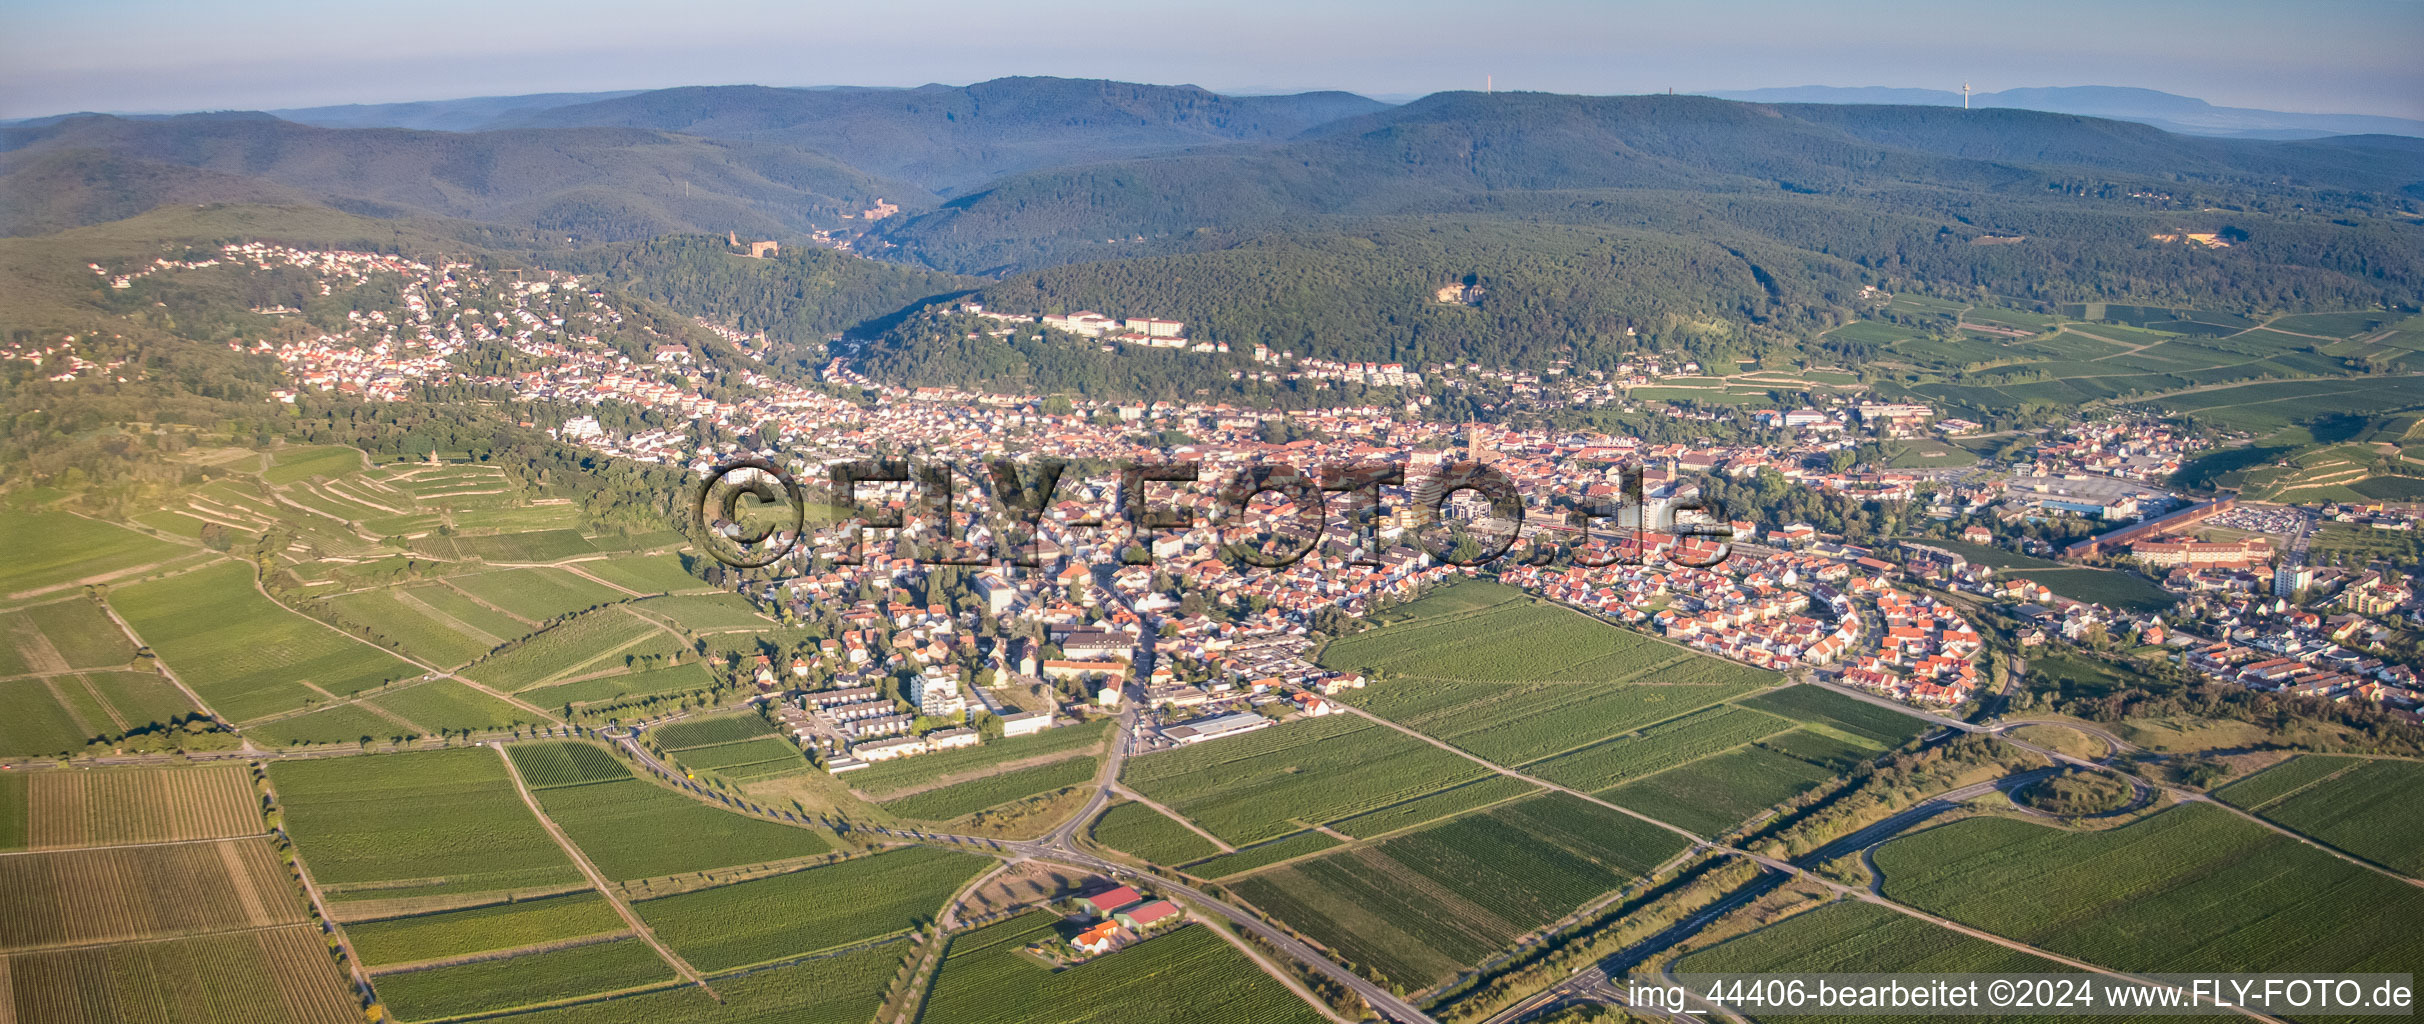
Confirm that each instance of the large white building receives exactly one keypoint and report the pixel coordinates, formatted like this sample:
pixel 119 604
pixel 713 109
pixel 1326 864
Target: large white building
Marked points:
pixel 936 692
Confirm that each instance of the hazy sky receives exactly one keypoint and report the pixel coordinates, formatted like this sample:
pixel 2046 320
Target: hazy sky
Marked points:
pixel 2334 56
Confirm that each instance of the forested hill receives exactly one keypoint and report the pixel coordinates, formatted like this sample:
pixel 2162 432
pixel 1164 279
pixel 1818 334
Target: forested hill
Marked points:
pixel 800 295
pixel 1458 151
pixel 589 183
pixel 946 137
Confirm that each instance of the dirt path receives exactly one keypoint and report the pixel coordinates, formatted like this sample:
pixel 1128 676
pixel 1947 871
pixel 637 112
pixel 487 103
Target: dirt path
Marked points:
pixel 597 880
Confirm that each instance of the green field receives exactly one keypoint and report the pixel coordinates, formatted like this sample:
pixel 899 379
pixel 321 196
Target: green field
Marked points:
pixel 449 704
pixel 965 798
pixel 413 628
pixel 521 980
pixel 1516 724
pixel 1851 715
pixel 61 714
pixel 2191 888
pixel 1263 855
pixel 600 641
pixel 986 978
pixel 711 730
pixel 648 574
pixel 407 940
pixel 1715 794
pixel 1274 781
pixel 885 778
pixel 537 593
pixel 245 655
pixel 291 465
pixel 276 974
pixel 1851 937
pixel 807 911
pixel 688 677
pixel 1659 747
pixel 2367 808
pixel 1149 834
pixel 47 549
pixel 442 821
pixel 565 763
pixel 2113 589
pixel 1986 555
pixel 634 829
pixel 1426 809
pixel 705 613
pixel 843 989
pixel 77 629
pixel 1416 907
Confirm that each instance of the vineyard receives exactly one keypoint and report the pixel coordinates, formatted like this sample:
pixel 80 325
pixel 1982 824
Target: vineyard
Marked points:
pixel 841 989
pixel 745 752
pixel 707 732
pixel 114 894
pixel 595 642
pixel 412 629
pixel 540 594
pixel 405 940
pixel 50 548
pixel 651 574
pixel 61 810
pixel 986 979
pixel 634 829
pixel 1445 803
pixel 1415 908
pixel 2256 791
pixel 1715 794
pixel 2369 810
pixel 449 704
pixel 565 763
pixel 1149 834
pixel 705 613
pixel 1807 703
pixel 1658 747
pixel 948 802
pixel 488 985
pixel 1269 853
pixel 689 676
pixel 245 655
pixel 281 974
pixel 78 630
pixel 885 778
pixel 2192 888
pixel 1514 724
pixel 1515 641
pixel 344 723
pixel 390 825
pixel 1828 752
pixel 806 911
pixel 1274 781
pixel 1859 937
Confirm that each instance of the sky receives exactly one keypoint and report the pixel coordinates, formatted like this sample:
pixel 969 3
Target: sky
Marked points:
pixel 2315 56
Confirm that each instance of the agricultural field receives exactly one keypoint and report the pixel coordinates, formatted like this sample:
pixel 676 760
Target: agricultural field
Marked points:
pixel 597 642
pixel 453 607
pixel 123 893
pixel 688 677
pixel 242 653
pixel 841 989
pixel 886 778
pixel 1713 795
pixel 2191 888
pixel 1148 834
pixel 2112 588
pixel 704 732
pixel 1415 908
pixel 282 974
pixel 547 765
pixel 1517 640
pixel 806 911
pixel 986 978
pixel 414 628
pixel 489 985
pixel 1263 855
pixel 1655 749
pixel 965 798
pixel 1820 706
pixel 1426 809
pixel 66 810
pixel 417 824
pixel 294 465
pixel 449 704
pixel 344 723
pixel 77 633
pixel 648 574
pixel 634 829
pixel 1986 554
pixel 705 613
pixel 539 594
pixel 766 755
pixel 2365 807
pixel 1854 937
pixel 1274 781
pixel 60 714
pixel 50 549
pixel 1517 724
pixel 405 940
pixel 523 548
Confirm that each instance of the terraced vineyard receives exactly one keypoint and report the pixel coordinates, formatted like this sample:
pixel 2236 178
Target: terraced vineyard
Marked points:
pixel 1415 908
pixel 1257 786
pixel 2191 888
pixel 986 978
